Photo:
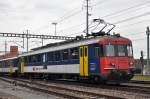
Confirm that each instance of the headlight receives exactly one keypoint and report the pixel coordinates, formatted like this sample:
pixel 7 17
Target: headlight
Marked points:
pixel 131 63
pixel 112 64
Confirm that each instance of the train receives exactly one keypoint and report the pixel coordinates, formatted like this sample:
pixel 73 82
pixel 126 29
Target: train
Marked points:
pixel 98 58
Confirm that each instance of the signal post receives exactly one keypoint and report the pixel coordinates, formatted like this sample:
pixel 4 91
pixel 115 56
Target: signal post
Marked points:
pixel 148 64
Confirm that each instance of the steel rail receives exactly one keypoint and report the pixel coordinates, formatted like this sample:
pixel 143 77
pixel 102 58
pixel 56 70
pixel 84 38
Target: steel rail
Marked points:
pixel 65 92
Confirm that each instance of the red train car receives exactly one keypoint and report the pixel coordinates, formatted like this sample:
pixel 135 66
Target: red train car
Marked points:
pixel 117 59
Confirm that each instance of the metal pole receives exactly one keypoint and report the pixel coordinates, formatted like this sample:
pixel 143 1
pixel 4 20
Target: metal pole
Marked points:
pixel 42 41
pixel 27 41
pixel 54 23
pixel 55 29
pixel 148 33
pixel 23 40
pixel 87 17
pixel 142 62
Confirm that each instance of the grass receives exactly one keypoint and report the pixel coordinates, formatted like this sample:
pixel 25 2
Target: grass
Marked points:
pixel 141 77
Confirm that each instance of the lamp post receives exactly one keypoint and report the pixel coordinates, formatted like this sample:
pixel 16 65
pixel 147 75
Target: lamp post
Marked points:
pixel 54 23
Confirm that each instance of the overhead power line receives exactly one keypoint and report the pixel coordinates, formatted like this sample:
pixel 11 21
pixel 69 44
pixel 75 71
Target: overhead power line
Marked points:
pixel 142 21
pixel 126 9
pixel 68 15
pixel 35 36
pixel 100 2
pixel 132 18
pixel 115 13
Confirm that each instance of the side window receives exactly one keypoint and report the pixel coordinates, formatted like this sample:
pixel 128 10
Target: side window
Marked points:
pixel 101 50
pixel 74 53
pixel 40 58
pixel 51 56
pixel 29 59
pixel 57 56
pixel 96 51
pixel 44 58
pixel 129 50
pixel 34 58
pixel 65 54
pixel 26 59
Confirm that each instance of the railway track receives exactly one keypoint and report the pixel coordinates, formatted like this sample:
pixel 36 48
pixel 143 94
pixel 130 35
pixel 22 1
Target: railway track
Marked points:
pixel 140 82
pixel 59 91
pixel 123 87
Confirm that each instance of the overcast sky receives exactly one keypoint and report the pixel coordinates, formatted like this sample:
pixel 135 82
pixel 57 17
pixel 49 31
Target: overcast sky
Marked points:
pixel 37 15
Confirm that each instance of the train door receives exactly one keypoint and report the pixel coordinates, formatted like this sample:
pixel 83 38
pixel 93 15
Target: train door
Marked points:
pixel 84 61
pixel 21 65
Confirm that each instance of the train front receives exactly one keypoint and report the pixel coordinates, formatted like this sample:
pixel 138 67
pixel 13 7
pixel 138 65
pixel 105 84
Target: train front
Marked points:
pixel 116 60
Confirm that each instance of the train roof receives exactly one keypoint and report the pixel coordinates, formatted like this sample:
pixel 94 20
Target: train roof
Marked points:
pixel 71 44
pixel 114 40
pixel 63 45
pixel 8 58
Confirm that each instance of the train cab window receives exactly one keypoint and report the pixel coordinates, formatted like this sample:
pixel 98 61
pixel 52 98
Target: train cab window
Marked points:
pixel 121 50
pixel 74 53
pixel 109 50
pixel 129 50
pixel 65 54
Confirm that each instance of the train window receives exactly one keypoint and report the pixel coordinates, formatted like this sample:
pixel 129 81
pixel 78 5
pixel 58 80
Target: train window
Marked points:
pixel 65 54
pixel 51 56
pixel 85 51
pixel 81 52
pixel 29 59
pixel 96 51
pixel 57 56
pixel 33 58
pixel 121 50
pixel 129 50
pixel 26 59
pixel 44 59
pixel 39 59
pixel 74 53
pixel 109 50
pixel 101 50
